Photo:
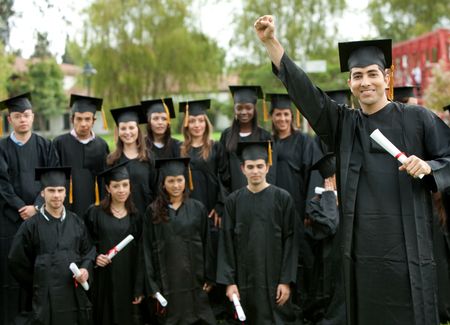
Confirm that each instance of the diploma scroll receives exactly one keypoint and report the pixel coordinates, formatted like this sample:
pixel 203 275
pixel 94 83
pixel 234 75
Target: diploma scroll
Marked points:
pixel 76 271
pixel 161 299
pixel 387 145
pixel 238 307
pixel 319 190
pixel 113 251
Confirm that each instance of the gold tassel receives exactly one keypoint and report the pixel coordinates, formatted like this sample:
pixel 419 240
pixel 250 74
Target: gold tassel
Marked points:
pixel 70 191
pixel 265 113
pixel 167 110
pixel 191 182
pixel 105 123
pixel 269 154
pixel 1 125
pixel 97 193
pixel 297 118
pixel 186 115
pixel 391 83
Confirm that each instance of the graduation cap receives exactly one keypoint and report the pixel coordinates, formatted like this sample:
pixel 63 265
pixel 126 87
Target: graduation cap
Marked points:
pixel 249 94
pixel 254 150
pixel 83 104
pixel 326 165
pixel 52 176
pixel 162 105
pixel 446 108
pixel 340 96
pixel 282 101
pixel 129 114
pixel 118 172
pixel 174 167
pixel 194 108
pixel 400 93
pixel 19 103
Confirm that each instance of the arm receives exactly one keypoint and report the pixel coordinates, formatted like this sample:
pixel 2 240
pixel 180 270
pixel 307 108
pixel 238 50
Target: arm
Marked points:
pixel 21 256
pixel 147 252
pixel 208 253
pixel 290 246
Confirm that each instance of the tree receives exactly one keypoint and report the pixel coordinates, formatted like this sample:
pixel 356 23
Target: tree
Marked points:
pixel 5 71
pixel 404 19
pixel 41 49
pixel 147 49
pixel 437 94
pixel 6 12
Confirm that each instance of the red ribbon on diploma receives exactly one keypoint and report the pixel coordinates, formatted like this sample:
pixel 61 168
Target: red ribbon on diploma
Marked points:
pixel 113 250
pixel 399 155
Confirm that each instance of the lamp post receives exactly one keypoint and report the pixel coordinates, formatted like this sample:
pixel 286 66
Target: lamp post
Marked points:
pixel 89 71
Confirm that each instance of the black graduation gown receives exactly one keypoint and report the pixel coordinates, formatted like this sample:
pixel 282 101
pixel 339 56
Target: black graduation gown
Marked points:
pixel 389 271
pixel 17 189
pixel 86 160
pixel 144 182
pixel 178 261
pixel 40 256
pixel 236 178
pixel 258 250
pixel 172 150
pixel 117 284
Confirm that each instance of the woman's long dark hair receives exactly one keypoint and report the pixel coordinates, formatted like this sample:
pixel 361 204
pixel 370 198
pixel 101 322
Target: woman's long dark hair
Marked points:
pixel 150 139
pixel 160 206
pixel 105 204
pixel 231 142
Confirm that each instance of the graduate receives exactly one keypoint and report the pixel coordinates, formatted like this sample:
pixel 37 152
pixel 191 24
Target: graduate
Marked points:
pixel 244 128
pixel 258 246
pixel 159 142
pixel 118 286
pixel 130 147
pixel 84 151
pixel 42 251
pixel 209 170
pixel 385 210
pixel 20 153
pixel 177 249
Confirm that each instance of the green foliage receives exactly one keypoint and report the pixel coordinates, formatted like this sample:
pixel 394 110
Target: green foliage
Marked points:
pixel 6 12
pixel 5 72
pixel 404 19
pixel 41 49
pixel 147 49
pixel 437 94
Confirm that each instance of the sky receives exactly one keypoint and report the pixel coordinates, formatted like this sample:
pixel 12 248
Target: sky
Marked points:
pixel 214 19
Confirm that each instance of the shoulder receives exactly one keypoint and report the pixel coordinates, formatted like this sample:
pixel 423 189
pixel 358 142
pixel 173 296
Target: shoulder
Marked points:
pixel 40 139
pixel 100 141
pixel 61 137
pixel 195 204
pixel 265 135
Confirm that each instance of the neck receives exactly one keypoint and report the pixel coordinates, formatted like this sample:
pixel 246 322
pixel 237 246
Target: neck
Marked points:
pixel 197 141
pixel 371 109
pixel 56 213
pixel 176 201
pixel 257 188
pixel 245 128
pixel 284 134
pixel 159 138
pixel 117 205
pixel 84 137
pixel 130 150
pixel 23 137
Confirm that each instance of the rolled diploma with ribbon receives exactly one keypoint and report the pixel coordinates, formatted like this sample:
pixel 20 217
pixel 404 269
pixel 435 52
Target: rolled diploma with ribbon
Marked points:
pixel 113 251
pixel 389 147
pixel 238 307
pixel 319 190
pixel 76 271
pixel 161 299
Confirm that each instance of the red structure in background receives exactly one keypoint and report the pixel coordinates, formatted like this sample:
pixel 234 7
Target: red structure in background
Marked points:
pixel 415 58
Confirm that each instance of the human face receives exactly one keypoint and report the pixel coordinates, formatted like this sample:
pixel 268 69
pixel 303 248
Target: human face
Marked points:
pixel 282 119
pixel 128 132
pixel 175 186
pixel 83 124
pixel 158 123
pixel 119 190
pixel 369 85
pixel 244 112
pixel 54 197
pixel 21 122
pixel 197 125
pixel 255 171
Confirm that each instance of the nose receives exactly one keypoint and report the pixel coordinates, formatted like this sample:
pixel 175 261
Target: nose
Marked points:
pixel 365 80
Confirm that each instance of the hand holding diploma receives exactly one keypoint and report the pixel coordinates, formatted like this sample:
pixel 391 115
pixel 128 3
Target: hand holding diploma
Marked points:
pixel 413 165
pixel 80 275
pixel 162 301
pixel 113 251
pixel 237 305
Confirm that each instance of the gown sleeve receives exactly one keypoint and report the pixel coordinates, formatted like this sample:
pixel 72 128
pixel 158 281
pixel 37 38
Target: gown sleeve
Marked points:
pixel 147 240
pixel 290 243
pixel 21 255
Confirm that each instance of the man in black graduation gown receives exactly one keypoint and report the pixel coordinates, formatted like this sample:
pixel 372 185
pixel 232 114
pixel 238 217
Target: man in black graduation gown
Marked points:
pixel 42 251
pixel 20 153
pixel 385 210
pixel 85 152
pixel 258 244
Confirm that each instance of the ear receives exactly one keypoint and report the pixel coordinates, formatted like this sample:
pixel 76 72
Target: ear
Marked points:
pixel 242 168
pixel 42 193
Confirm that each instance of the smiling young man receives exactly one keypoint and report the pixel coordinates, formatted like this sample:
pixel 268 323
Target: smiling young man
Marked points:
pixel 258 246
pixel 385 210
pixel 84 151
pixel 20 153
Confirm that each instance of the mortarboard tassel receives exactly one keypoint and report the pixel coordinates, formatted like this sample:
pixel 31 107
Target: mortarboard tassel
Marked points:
pixel 186 115
pixel 97 193
pixel 265 113
pixel 269 154
pixel 297 118
pixel 1 125
pixel 391 83
pixel 191 182
pixel 70 191
pixel 105 123
pixel 167 110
